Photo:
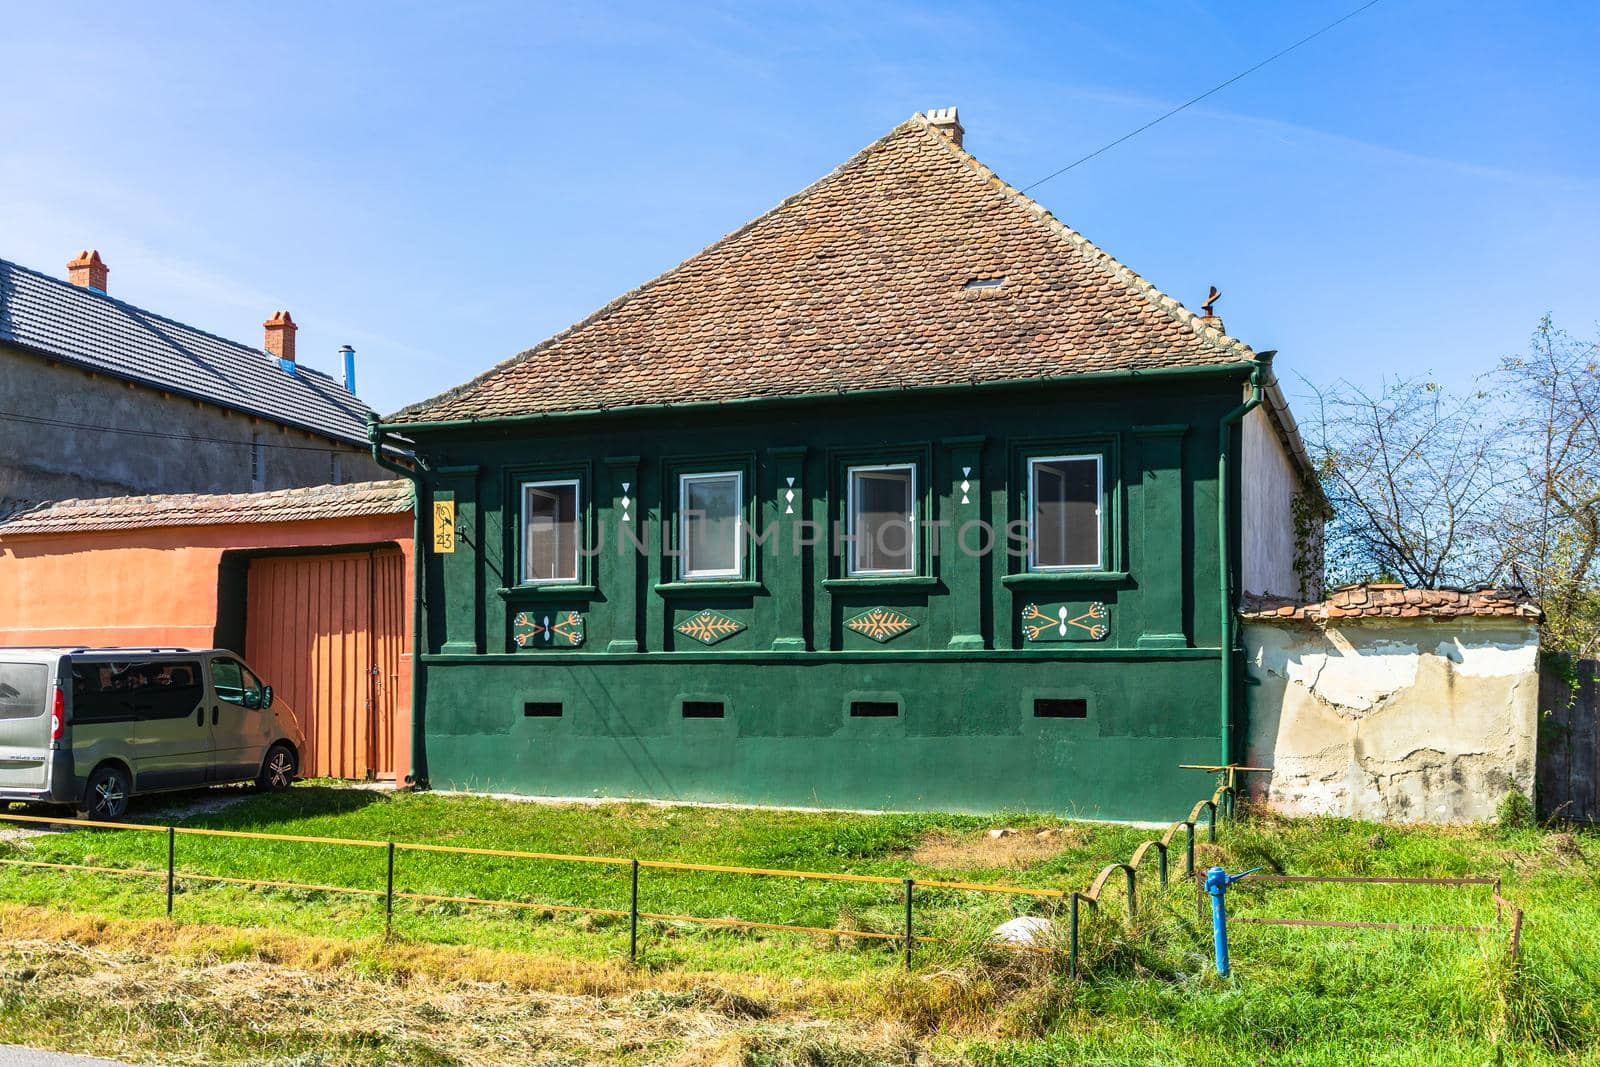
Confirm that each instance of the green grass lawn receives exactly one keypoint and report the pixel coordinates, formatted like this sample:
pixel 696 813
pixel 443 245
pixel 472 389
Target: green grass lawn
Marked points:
pixel 823 842
pixel 1298 996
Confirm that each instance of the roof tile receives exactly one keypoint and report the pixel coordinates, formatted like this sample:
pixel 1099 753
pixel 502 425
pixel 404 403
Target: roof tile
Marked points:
pixel 858 282
pixel 92 330
pixel 207 509
pixel 1388 600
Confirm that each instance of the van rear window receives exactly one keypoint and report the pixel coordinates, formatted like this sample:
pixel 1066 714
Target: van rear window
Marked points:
pixel 119 692
pixel 22 687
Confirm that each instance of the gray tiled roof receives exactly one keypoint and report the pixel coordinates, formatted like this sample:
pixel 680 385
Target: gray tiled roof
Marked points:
pixel 89 329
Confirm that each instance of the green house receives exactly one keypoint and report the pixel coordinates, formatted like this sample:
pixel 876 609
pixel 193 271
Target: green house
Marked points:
pixel 902 496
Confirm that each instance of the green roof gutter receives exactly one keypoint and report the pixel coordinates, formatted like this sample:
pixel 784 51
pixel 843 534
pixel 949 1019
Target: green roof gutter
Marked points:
pixel 378 438
pixel 1211 370
pixel 1225 637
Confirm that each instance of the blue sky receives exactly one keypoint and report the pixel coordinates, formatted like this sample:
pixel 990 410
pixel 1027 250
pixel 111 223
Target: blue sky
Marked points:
pixel 442 185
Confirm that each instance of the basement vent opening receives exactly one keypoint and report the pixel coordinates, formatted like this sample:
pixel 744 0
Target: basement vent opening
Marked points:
pixel 702 709
pixel 542 709
pixel 1051 708
pixel 985 283
pixel 874 709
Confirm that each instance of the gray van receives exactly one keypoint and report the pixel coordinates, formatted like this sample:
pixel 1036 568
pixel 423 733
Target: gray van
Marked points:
pixel 93 727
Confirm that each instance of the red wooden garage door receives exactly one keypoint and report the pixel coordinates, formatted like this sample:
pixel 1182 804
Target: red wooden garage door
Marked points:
pixel 326 632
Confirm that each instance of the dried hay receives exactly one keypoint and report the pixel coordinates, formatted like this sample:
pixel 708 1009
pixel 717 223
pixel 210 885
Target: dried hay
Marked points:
pixel 182 994
pixel 942 850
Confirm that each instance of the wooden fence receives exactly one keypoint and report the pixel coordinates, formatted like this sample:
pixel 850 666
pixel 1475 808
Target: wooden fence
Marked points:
pixel 1569 737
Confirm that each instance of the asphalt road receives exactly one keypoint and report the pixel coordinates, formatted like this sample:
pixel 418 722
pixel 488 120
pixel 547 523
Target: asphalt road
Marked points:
pixel 12 1056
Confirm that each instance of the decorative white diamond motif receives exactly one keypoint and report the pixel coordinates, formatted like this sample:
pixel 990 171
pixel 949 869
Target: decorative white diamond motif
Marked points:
pixel 788 496
pixel 966 485
pixel 625 501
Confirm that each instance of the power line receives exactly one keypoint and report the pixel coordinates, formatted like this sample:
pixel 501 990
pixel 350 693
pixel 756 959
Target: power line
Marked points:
pixel 35 420
pixel 1214 89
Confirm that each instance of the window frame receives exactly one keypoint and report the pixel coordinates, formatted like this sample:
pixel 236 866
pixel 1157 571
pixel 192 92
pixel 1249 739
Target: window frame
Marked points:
pixel 913 548
pixel 28 709
pixel 684 572
pixel 246 676
pixel 1032 464
pixel 128 708
pixel 523 485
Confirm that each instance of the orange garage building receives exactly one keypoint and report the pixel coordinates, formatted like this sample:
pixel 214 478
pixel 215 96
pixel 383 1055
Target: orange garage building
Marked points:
pixel 312 586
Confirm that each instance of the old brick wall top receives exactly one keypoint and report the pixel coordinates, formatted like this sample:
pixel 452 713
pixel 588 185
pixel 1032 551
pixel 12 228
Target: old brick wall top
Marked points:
pixel 1383 600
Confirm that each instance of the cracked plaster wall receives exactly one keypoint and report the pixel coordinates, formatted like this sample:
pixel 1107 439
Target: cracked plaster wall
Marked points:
pixel 1411 720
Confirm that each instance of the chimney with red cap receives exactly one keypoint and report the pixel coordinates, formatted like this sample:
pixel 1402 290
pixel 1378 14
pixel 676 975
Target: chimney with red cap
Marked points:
pixel 88 270
pixel 280 338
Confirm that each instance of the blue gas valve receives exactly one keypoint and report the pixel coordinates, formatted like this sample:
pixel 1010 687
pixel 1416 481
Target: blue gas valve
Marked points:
pixel 1217 883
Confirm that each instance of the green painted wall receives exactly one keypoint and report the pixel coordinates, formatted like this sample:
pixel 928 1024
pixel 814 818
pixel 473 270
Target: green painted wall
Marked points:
pixel 965 675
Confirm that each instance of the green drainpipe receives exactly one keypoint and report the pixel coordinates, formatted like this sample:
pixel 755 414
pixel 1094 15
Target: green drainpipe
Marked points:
pixel 1224 586
pixel 419 752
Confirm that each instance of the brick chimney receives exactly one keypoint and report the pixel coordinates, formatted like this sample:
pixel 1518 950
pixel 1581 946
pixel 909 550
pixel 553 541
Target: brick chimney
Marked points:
pixel 280 336
pixel 947 122
pixel 88 270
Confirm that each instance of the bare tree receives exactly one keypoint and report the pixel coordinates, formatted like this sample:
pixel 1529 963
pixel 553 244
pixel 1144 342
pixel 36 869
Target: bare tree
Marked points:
pixel 1415 478
pixel 1551 526
pixel 1496 484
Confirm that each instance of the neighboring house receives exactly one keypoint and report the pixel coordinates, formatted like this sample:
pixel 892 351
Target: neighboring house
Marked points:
pixel 809 427
pixel 312 586
pixel 98 398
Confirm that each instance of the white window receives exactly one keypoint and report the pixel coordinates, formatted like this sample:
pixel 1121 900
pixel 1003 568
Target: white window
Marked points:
pixel 1064 494
pixel 709 536
pixel 550 532
pixel 883 519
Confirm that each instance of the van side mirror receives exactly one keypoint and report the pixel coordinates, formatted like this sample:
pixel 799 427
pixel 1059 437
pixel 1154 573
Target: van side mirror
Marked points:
pixel 266 696
pixel 251 699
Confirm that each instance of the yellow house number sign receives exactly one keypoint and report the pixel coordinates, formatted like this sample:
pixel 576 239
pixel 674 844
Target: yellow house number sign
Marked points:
pixel 444 525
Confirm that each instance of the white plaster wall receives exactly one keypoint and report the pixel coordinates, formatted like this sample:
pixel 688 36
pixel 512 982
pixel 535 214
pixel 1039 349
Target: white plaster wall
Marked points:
pixel 1404 719
pixel 1269 482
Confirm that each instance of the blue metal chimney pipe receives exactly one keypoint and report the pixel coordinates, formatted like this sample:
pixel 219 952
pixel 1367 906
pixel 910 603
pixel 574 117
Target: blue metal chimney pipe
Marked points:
pixel 349 368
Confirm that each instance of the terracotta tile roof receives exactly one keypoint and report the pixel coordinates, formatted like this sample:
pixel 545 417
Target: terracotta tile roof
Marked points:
pixel 1395 601
pixel 206 509
pixel 858 282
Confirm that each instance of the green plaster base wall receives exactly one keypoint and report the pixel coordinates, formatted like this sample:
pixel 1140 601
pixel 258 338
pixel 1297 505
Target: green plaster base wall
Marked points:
pixel 966 739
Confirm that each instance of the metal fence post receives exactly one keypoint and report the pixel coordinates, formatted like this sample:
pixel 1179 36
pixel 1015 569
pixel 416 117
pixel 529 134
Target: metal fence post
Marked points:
pixel 1072 945
pixel 388 896
pixel 633 916
pixel 1211 812
pixel 1188 859
pixel 1216 884
pixel 909 884
pixel 1133 908
pixel 1162 865
pixel 172 849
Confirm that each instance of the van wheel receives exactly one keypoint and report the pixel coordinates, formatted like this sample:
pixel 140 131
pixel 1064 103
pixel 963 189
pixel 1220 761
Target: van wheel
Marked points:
pixel 106 798
pixel 278 769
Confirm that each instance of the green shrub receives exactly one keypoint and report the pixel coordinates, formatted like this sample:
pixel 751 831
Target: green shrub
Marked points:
pixel 1515 811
